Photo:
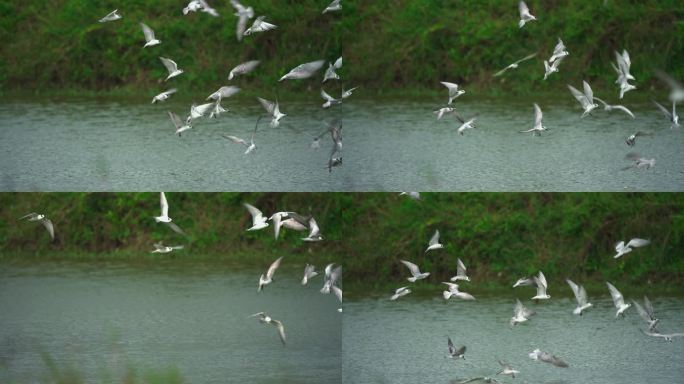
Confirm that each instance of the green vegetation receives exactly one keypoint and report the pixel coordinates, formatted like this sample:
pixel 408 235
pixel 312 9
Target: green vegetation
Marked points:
pixel 398 47
pixel 500 237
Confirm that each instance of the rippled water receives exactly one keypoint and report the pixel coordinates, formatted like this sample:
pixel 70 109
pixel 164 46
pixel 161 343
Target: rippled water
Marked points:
pixel 390 145
pixel 100 320
pixel 406 342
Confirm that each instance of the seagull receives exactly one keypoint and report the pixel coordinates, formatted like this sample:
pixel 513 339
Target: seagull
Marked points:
pixel 618 300
pixel 161 248
pixel 267 279
pixel 460 272
pixel 538 127
pixel 334 6
pixel 646 313
pixel 329 100
pixel 470 124
pixel 455 353
pixel 288 220
pixel 193 6
pixel 444 111
pixel 625 87
pixel 403 291
pixel 550 68
pixel 330 73
pixel 259 25
pixel 666 337
pixel 112 16
pixel 623 65
pixel 520 313
pixel 639 162
pixel 539 355
pixel 581 296
pixel 178 123
pixel 207 9
pixel 164 95
pixel 197 111
pixel 348 92
pixel 415 271
pixel 150 40
pixel 411 195
pixel 523 281
pixel 258 219
pixel 224 92
pixel 540 281
pixel 585 99
pixel 454 292
pixel 315 232
pixel 265 319
pixel 609 107
pixel 250 146
pixel 622 249
pixel 515 65
pixel 273 110
pixel 309 272
pixel 559 51
pixel 434 242
pixel 631 140
pixel 171 66
pixel 304 71
pixel 47 223
pixel 164 217
pixel 244 14
pixel 507 370
pixel 243 68
pixel 218 109
pixel 673 117
pixel 331 277
pixel 525 15
pixel 454 92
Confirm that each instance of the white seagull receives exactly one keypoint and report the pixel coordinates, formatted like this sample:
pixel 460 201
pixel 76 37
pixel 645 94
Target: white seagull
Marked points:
pixel 309 273
pixel 266 319
pixel 515 65
pixel 150 40
pixel 444 111
pixel 520 313
pixel 329 100
pixel 259 25
pixel 581 295
pixel 304 71
pixel 334 6
pixel 331 277
pixel 621 248
pixel 267 279
pixel 672 117
pixel 455 353
pixel 403 291
pixel 112 16
pixel 454 92
pixel 244 14
pixel 538 127
pixel 470 124
pixel 460 272
pixel 585 99
pixel 197 111
pixel 315 232
pixel 258 219
pixel 47 223
pixel 631 139
pixel 171 67
pixel 224 92
pixel 161 248
pixel 330 73
pixel 507 370
pixel 415 271
pixel 539 355
pixel 454 292
pixel 273 110
pixel 525 15
pixel 618 300
pixel 348 92
pixel 559 51
pixel 434 242
pixel 550 68
pixel 540 281
pixel 646 313
pixel 178 123
pixel 164 217
pixel 164 95
pixel 609 107
pixel 243 68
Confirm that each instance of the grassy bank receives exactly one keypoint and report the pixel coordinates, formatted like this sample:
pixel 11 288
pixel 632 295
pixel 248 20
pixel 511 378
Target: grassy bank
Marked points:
pixel 500 237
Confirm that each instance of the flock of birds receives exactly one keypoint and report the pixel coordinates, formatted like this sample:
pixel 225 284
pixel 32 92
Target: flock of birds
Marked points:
pixel 214 108
pixel 585 98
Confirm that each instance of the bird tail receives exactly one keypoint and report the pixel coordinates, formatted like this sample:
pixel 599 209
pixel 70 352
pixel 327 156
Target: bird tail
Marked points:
pixel 447 295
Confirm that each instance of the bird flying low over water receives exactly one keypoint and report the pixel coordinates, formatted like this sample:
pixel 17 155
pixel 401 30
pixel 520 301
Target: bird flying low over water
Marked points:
pixel 400 292
pixel 243 68
pixel 171 67
pixel 304 71
pixel 259 25
pixel 631 139
pixel 332 276
pixel 460 272
pixel 330 73
pixel 314 232
pixel 546 357
pixel 258 219
pixel 244 14
pixel 672 117
pixel 668 337
pixel 224 92
pixel 416 274
pixel 267 279
pixel 618 300
pixel 538 127
pixel 197 111
pixel 266 319
pixel 455 353
pixel 520 313
pixel 581 295
pixel 161 248
pixel 523 281
pixel 335 5
pixel 453 89
pixel 164 217
pixel 164 95
pixel 178 124
pixel 329 100
pixel 251 146
pixel 525 15
pixel 454 292
pixel 47 223
pixel 348 92
pixel 646 313
pixel 621 248
pixel 434 242
pixel 470 124
pixel 551 68
pixel 112 16
pixel 585 99
pixel 515 64
pixel 150 40
pixel 507 370
pixel 639 162
pixel 309 273
pixel 540 282
pixel 444 111
pixel 273 110
pixel 610 108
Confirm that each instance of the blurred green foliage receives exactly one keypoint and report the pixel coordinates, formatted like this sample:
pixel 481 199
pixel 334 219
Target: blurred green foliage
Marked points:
pixel 499 236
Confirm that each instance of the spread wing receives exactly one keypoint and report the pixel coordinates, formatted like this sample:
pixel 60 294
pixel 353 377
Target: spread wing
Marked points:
pixel 273 267
pixel 174 227
pixel 522 7
pixel 177 122
pixel 578 95
pixel 148 32
pixel 412 267
pixel 253 210
pixel 588 92
pixel 164 204
pixel 616 295
pixel 537 115
pixel 269 106
pixel 575 289
pixel 281 330
pixel 170 65
pixel 435 238
pixel 636 243
pixel 460 268
pixel 47 223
